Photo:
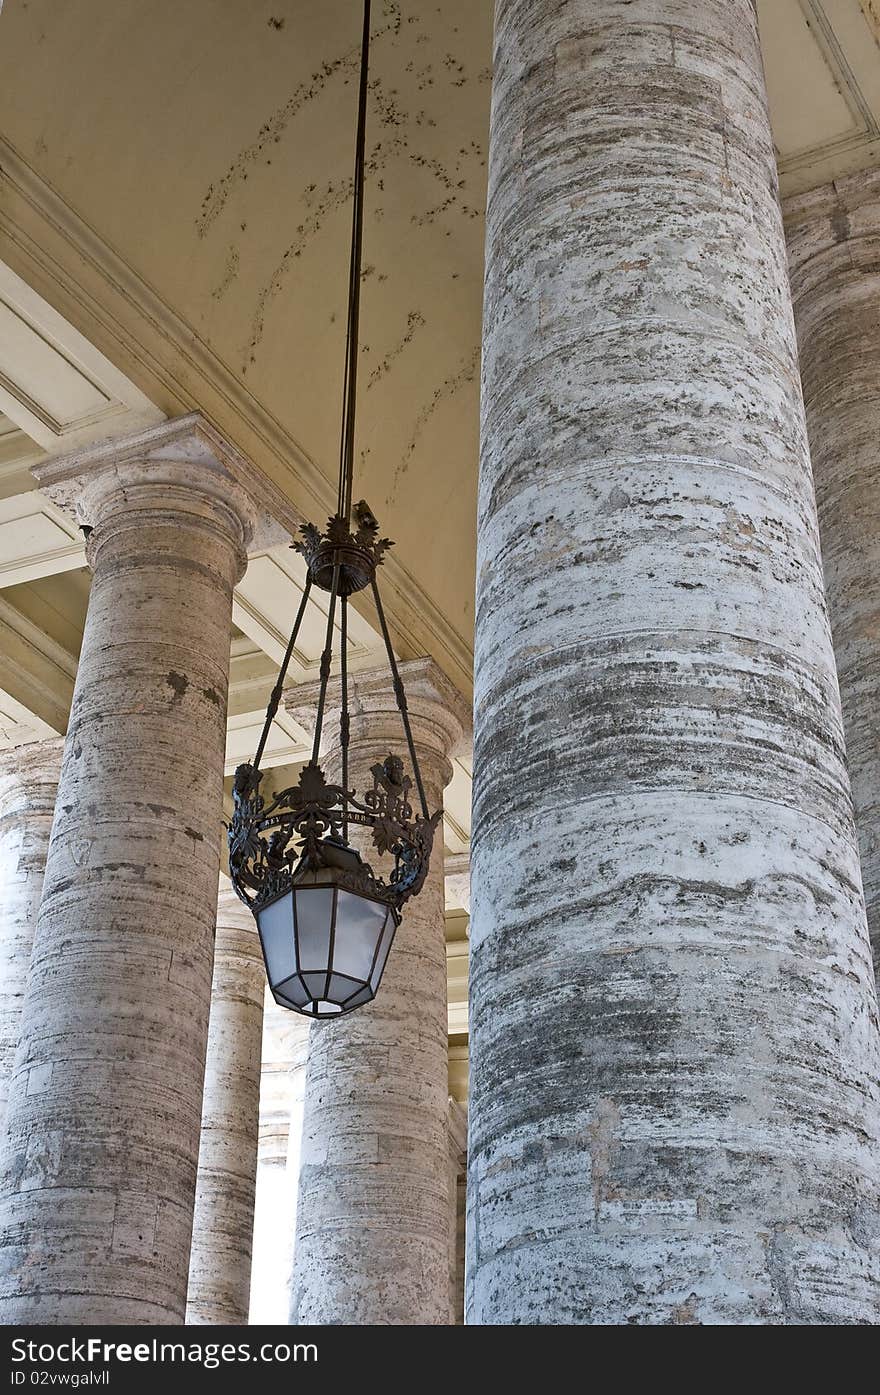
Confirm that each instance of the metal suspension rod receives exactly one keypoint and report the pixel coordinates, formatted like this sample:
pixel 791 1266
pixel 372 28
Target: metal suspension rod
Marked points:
pixel 282 674
pixel 326 657
pixel 349 402
pixel 344 722
pixel 400 696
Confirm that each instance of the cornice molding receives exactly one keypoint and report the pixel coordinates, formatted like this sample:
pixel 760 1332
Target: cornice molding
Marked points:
pixel 66 261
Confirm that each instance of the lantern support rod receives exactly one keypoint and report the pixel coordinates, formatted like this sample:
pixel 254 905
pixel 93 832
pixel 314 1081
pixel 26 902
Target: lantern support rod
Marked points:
pixel 349 392
pixel 275 698
pixel 400 697
pixel 326 659
pixel 344 721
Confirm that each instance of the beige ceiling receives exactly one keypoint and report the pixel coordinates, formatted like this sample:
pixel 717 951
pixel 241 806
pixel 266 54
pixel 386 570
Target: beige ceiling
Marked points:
pixel 175 180
pixel 187 169
pixel 822 60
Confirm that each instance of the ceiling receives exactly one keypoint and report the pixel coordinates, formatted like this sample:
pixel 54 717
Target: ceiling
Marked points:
pixel 822 61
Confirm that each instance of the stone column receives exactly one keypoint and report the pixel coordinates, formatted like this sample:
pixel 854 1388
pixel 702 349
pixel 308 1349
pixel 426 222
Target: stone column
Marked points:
pixel 285 1049
pixel 99 1167
pixel 457 1135
pixel 28 786
pixel 223 1223
pixel 674 1055
pixel 372 1235
pixel 834 255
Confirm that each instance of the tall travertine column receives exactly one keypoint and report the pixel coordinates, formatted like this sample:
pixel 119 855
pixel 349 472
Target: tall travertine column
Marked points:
pixel 373 1224
pixel 223 1224
pixel 28 786
pixel 457 1138
pixel 674 1055
pixel 285 1049
pixel 99 1165
pixel 834 253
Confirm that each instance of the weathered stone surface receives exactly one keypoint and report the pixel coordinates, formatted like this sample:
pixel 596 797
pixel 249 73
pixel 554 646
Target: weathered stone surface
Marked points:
pixel 674 1047
pixel 834 255
pixel 285 1048
pixel 223 1222
pixel 28 786
pixel 99 1166
pixel 373 1216
pixel 457 1134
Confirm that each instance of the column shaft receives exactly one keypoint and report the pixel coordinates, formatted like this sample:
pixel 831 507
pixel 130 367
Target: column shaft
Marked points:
pixel 373 1216
pixel 674 1053
pixel 834 245
pixel 223 1222
pixel 285 1050
pixel 457 1208
pixel 99 1169
pixel 28 786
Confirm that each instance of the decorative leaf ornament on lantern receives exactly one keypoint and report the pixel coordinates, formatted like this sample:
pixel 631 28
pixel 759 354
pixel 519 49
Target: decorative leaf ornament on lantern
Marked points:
pixel 326 919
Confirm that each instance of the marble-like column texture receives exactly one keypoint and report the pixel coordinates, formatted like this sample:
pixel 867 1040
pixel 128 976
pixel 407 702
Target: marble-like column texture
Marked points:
pixel 834 257
pixel 285 1049
pixel 674 1045
pixel 28 786
pixel 223 1223
pixel 373 1223
pixel 99 1166
pixel 457 1126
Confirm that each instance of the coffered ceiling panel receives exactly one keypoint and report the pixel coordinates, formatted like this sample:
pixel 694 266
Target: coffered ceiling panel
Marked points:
pixel 18 725
pixel 822 61
pixel 287 743
pixel 54 385
pixel 36 539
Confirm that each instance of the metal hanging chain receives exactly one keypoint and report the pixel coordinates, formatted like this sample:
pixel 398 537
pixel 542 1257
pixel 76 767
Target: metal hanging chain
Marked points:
pixel 275 698
pixel 346 476
pixel 349 392
pixel 326 658
pixel 344 721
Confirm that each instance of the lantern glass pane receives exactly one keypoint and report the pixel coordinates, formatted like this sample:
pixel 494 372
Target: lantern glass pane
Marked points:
pixel 325 1009
pixel 363 996
pixel 314 916
pixel 359 924
pixel 316 984
pixel 292 991
pixel 341 988
pixel 387 937
pixel 275 924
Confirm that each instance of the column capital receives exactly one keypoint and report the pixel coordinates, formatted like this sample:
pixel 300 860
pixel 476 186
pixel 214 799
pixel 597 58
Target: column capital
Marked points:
pixel 29 776
pixel 440 717
pixel 183 465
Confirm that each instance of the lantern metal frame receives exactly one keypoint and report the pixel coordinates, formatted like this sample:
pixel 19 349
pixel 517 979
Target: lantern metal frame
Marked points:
pixel 299 836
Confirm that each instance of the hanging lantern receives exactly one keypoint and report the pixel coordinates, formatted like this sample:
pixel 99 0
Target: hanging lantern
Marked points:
pixel 326 920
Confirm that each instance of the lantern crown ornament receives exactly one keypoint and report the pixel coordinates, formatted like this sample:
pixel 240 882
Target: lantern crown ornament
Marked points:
pixel 326 920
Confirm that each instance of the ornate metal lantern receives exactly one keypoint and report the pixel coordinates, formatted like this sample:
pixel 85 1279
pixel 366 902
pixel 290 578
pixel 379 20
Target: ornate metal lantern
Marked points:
pixel 326 919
